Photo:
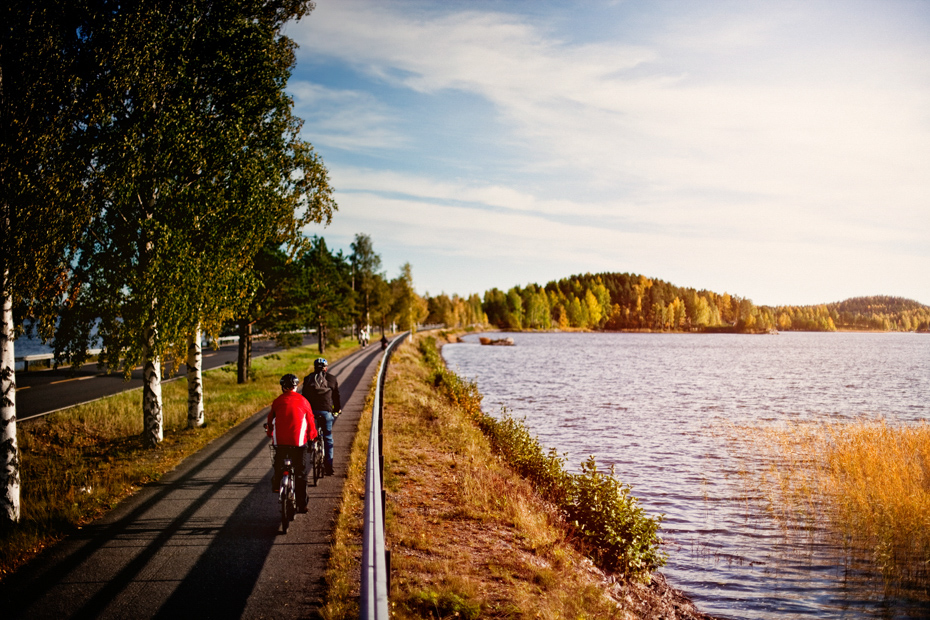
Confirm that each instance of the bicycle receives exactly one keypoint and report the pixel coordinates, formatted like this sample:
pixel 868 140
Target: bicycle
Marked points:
pixel 287 493
pixel 316 458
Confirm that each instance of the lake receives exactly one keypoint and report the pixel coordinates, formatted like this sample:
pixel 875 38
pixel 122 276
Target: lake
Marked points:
pixel 666 410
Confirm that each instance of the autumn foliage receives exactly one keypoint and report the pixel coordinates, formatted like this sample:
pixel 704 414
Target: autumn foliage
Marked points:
pixel 623 301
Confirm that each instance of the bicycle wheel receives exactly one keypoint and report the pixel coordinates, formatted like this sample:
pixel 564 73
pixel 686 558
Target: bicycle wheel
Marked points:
pixel 285 485
pixel 291 499
pixel 317 460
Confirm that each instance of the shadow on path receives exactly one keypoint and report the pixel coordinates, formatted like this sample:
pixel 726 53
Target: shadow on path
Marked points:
pixel 202 542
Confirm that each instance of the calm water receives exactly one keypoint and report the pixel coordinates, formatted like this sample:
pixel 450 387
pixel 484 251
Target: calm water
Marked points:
pixel 662 409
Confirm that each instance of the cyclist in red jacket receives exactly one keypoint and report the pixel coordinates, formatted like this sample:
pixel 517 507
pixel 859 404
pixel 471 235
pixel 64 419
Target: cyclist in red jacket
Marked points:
pixel 291 427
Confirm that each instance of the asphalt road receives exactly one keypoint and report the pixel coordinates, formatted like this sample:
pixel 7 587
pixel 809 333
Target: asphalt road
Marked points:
pixel 43 391
pixel 203 542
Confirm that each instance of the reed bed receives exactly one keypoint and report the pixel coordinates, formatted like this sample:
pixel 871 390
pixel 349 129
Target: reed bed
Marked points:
pixel 79 462
pixel 865 484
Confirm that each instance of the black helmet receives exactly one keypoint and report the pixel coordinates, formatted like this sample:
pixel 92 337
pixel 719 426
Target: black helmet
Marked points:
pixel 290 382
pixel 320 362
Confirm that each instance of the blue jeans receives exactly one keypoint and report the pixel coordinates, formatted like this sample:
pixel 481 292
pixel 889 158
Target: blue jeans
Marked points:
pixel 324 425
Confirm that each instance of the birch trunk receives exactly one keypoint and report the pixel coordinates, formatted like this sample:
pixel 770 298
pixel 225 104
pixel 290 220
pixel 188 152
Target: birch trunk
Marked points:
pixel 244 363
pixel 9 452
pixel 152 411
pixel 194 380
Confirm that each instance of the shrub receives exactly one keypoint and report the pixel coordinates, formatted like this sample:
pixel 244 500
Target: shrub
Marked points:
pixel 616 529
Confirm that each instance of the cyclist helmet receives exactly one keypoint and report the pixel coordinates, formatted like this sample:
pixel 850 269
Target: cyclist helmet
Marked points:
pixel 320 363
pixel 290 382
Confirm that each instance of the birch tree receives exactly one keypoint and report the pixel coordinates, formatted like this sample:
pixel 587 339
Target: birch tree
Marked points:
pixel 199 163
pixel 41 213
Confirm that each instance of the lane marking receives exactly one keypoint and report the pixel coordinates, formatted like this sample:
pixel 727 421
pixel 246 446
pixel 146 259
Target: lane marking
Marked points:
pixel 76 379
pixel 25 387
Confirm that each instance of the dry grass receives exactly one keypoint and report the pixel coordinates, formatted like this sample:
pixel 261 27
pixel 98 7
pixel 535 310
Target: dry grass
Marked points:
pixel 343 573
pixel 80 462
pixel 864 483
pixel 468 538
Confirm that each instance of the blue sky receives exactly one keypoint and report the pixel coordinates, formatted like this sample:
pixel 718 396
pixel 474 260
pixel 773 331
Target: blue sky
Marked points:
pixel 778 151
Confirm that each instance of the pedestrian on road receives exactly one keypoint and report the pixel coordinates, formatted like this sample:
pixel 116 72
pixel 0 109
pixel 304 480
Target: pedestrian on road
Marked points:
pixel 291 425
pixel 321 389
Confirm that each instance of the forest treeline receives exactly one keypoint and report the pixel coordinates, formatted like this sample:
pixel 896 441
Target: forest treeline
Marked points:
pixel 623 301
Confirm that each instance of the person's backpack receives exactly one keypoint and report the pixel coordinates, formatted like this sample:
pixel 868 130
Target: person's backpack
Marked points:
pixel 316 389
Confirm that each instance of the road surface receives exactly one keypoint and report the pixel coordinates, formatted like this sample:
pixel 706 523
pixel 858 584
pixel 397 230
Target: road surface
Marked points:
pixel 203 542
pixel 43 391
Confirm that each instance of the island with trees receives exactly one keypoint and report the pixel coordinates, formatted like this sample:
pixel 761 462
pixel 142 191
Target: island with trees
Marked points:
pixel 631 302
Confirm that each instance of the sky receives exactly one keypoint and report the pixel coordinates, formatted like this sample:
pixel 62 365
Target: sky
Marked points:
pixel 775 150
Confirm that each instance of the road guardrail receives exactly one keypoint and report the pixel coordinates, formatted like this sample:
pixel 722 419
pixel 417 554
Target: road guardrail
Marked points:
pixel 376 559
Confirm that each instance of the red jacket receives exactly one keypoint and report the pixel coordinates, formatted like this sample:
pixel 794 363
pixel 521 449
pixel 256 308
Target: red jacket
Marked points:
pixel 290 421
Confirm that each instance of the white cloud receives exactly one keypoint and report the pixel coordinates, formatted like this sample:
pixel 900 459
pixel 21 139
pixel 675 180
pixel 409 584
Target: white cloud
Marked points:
pixel 344 119
pixel 455 244
pixel 574 102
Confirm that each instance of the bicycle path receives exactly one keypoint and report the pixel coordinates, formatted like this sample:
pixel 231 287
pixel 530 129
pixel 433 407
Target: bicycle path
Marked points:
pixel 205 541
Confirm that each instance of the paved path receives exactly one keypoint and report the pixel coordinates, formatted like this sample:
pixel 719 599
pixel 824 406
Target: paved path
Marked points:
pixel 203 542
pixel 43 391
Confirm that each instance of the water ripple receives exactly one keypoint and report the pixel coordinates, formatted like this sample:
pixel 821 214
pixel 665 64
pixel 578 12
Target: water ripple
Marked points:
pixel 659 408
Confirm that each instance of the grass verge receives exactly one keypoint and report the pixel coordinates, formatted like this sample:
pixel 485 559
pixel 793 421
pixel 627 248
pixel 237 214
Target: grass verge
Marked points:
pixel 469 537
pixel 865 484
pixel 79 462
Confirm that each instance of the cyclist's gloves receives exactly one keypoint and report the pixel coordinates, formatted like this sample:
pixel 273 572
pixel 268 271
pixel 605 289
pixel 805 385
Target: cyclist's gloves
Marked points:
pixel 336 414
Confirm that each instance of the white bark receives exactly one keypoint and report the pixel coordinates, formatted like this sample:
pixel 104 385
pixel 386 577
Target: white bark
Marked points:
pixel 9 451
pixel 194 380
pixel 152 410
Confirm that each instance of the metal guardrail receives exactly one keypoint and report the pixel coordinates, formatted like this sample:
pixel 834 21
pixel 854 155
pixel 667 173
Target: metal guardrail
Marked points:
pixel 40 357
pixel 376 559
pixel 231 339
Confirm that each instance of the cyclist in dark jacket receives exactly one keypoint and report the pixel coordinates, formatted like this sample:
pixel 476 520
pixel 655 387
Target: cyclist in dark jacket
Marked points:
pixel 321 389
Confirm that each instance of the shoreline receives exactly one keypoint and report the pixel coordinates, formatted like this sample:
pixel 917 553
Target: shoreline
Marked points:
pixel 645 330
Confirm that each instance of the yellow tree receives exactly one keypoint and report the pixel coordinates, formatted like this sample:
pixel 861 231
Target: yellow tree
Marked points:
pixel 593 307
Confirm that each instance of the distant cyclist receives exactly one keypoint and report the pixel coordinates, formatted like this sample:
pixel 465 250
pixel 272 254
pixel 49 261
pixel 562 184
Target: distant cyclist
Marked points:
pixel 291 425
pixel 321 389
